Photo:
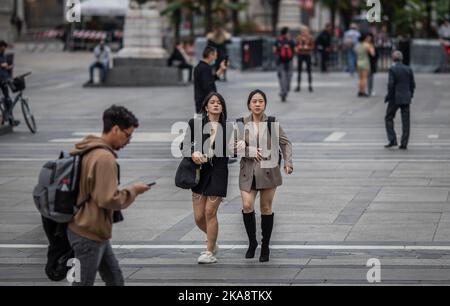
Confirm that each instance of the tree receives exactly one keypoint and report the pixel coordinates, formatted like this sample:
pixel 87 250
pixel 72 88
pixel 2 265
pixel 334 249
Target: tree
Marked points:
pixel 275 9
pixel 233 6
pixel 206 8
pixel 175 9
pixel 343 8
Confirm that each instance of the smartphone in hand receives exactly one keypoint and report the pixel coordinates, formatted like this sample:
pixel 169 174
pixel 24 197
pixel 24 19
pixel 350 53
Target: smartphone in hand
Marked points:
pixel 150 184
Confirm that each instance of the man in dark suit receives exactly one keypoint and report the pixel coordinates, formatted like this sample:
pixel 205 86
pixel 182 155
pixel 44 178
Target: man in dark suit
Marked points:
pixel 401 88
pixel 323 44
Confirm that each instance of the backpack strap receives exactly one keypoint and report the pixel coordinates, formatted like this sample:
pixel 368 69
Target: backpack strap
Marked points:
pixel 270 120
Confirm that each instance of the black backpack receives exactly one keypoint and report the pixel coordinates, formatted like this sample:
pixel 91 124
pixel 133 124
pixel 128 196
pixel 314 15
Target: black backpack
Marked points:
pixel 55 225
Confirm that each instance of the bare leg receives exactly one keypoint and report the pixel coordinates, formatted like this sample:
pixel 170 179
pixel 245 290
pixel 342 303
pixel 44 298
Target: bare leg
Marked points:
pixel 248 201
pixel 212 225
pixel 266 201
pixel 199 206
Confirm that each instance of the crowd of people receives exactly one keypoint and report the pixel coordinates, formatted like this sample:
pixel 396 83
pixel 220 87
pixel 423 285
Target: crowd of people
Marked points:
pixel 257 139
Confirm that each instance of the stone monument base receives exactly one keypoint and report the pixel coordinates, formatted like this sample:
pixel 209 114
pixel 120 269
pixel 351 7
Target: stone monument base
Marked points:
pixel 142 72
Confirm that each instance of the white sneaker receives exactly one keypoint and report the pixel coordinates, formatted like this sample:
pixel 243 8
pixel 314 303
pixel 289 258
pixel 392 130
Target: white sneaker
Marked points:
pixel 206 258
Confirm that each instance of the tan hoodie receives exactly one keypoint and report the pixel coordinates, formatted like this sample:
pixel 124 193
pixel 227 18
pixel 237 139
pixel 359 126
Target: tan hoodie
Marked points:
pixel 98 181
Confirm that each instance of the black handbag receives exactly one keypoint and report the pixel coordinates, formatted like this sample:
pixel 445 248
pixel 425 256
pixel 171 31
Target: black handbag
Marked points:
pixel 117 216
pixel 188 174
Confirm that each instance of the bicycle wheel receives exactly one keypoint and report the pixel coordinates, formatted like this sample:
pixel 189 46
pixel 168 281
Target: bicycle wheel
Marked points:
pixel 28 115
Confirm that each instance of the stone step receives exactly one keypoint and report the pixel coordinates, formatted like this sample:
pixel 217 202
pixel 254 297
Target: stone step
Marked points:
pixel 143 76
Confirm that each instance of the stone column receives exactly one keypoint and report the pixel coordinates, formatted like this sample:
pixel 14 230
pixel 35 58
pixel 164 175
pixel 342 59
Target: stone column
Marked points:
pixel 6 30
pixel 142 35
pixel 143 60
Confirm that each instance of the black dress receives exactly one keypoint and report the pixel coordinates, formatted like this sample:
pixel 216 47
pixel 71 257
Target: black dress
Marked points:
pixel 214 173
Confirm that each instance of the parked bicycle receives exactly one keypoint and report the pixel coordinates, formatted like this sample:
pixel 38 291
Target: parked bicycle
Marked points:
pixel 17 85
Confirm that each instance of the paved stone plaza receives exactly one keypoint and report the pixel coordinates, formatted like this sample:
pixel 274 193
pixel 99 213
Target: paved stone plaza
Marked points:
pixel 348 200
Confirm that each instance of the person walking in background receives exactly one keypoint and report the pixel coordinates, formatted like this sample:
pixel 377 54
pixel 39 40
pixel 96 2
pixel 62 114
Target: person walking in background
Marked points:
pixel 401 88
pixel 383 46
pixel 351 39
pixel 256 176
pixel 90 231
pixel 373 59
pixel 205 78
pixel 219 38
pixel 363 51
pixel 212 187
pixel 181 59
pixel 5 78
pixel 444 31
pixel 284 49
pixel 102 59
pixel 323 45
pixel 304 49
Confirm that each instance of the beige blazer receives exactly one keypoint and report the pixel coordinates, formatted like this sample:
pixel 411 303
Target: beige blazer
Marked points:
pixel 265 177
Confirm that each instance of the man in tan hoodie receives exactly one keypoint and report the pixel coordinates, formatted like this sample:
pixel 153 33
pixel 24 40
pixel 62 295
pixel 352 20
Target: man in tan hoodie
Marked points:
pixel 90 231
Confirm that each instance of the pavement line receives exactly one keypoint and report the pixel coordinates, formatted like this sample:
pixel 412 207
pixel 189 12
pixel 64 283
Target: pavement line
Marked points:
pixel 336 136
pixel 366 144
pixel 137 136
pixel 44 159
pixel 303 144
pixel 433 136
pixel 54 142
pixel 277 247
pixel 276 84
pixel 59 86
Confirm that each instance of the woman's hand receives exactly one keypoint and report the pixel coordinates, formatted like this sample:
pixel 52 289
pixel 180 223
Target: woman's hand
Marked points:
pixel 288 170
pixel 198 158
pixel 255 153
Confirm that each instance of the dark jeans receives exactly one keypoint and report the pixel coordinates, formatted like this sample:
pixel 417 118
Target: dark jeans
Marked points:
pixel 7 101
pixel 95 256
pixel 103 71
pixel 307 60
pixel 389 119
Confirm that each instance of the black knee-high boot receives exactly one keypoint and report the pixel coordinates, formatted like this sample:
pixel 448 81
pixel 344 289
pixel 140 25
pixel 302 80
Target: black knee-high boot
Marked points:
pixel 250 227
pixel 266 227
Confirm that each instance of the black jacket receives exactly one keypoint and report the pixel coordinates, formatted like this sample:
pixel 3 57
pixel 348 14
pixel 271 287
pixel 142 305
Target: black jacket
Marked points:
pixel 204 81
pixel 176 57
pixel 373 62
pixel 323 41
pixel 214 173
pixel 401 85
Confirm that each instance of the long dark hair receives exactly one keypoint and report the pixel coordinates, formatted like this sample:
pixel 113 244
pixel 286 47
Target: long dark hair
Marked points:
pixel 254 92
pixel 223 116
